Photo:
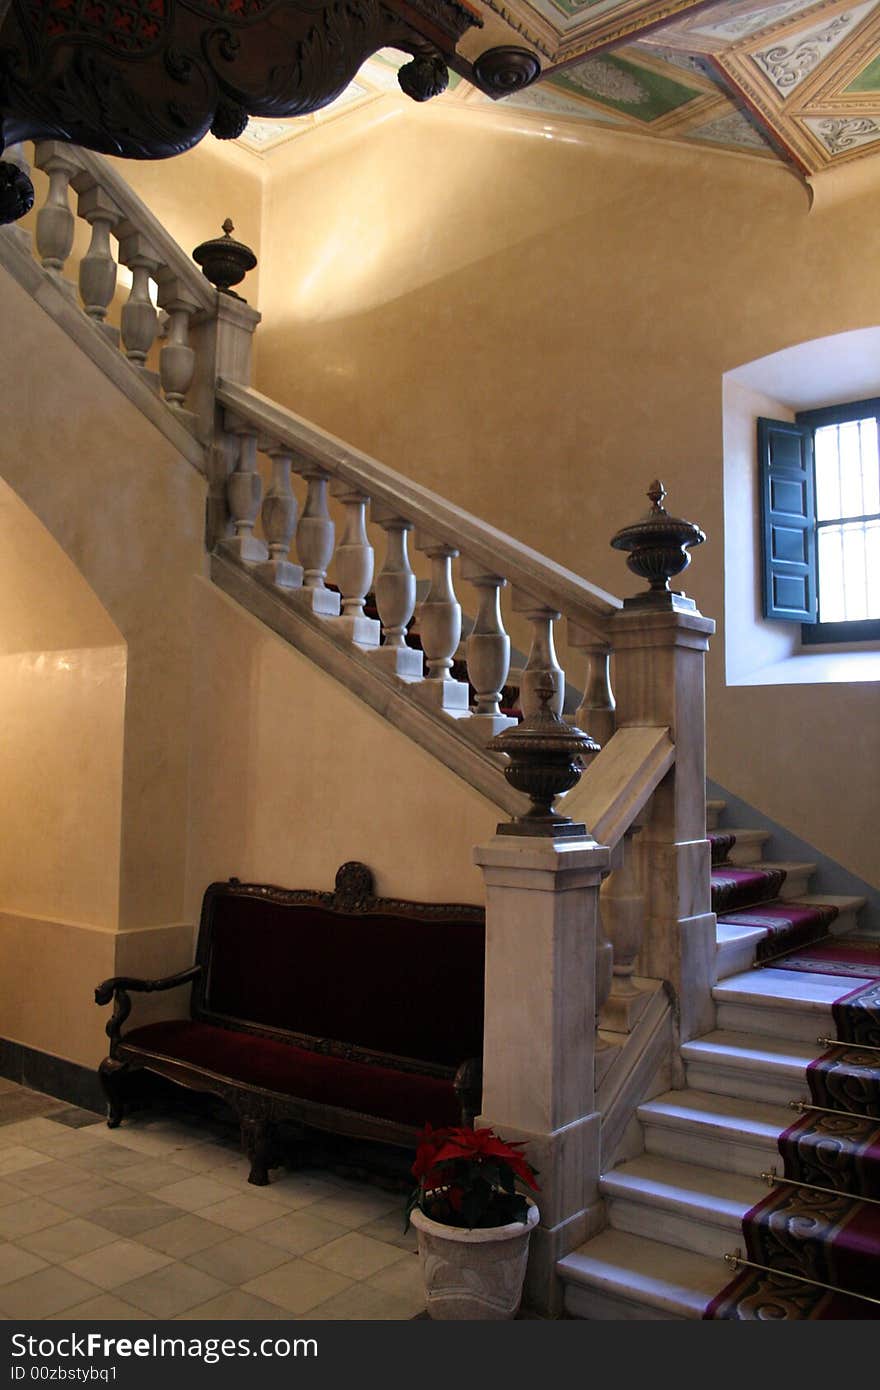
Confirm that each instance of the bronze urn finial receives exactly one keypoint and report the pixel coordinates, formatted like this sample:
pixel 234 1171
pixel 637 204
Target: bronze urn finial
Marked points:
pixel 225 261
pixel 658 547
pixel 545 759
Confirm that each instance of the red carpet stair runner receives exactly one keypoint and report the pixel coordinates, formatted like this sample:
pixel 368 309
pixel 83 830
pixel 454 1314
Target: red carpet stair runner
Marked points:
pixel 822 1224
pixel 819 1227
pixel 747 897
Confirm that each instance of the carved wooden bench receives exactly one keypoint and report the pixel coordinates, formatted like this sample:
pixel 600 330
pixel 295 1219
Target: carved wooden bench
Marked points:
pixel 341 1011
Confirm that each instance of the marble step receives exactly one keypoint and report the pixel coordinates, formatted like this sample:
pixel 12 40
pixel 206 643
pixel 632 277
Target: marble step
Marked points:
pixel 715 1131
pixel 751 1067
pixel 714 811
pixel 737 945
pixel 797 876
pixel 783 1003
pixel 622 1277
pixel 689 1206
pixel 749 846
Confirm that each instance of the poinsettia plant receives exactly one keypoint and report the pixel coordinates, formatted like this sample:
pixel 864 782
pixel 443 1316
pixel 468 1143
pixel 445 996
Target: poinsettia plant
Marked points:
pixel 468 1177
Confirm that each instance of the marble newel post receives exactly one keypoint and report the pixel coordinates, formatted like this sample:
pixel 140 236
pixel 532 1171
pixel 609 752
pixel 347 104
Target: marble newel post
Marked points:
pixel 660 642
pixel 542 886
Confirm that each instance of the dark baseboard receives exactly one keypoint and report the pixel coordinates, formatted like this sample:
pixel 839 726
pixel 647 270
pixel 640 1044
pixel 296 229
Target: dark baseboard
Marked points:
pixel 55 1076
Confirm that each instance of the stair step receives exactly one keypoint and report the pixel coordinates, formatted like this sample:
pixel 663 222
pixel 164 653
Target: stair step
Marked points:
pixel 749 846
pixel 736 945
pixel 716 1131
pixel 620 1276
pixel 788 1003
pixel 691 1207
pixel 752 1067
pixel 714 811
pixel 797 876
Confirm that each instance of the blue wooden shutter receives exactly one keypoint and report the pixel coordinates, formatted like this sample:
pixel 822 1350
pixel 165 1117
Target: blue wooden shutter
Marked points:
pixel 788 520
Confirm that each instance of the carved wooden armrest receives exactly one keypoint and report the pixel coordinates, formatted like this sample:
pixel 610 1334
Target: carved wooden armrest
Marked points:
pixel 468 1085
pixel 117 989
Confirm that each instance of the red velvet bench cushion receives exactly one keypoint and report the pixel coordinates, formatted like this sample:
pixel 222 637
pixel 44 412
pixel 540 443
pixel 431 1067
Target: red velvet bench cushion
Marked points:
pixel 289 1070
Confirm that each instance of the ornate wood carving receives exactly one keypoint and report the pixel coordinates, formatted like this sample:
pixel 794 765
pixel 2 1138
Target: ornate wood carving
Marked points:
pixel 149 78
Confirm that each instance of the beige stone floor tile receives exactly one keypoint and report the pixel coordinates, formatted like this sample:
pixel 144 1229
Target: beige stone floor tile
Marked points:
pixel 50 1175
pixel 207 1157
pixel 141 1141
pixel 22 1104
pixel 16 1263
pixel 149 1174
pixel 11 1192
pixel 66 1240
pixel 171 1290
pixel 403 1280
pixel 82 1198
pixel 30 1214
pixel 68 1143
pixel 362 1303
pixel 244 1211
pixel 184 1236
pixel 299 1231
pixel 6 1085
pixel 235 1306
pixel 390 1229
pixel 355 1255
pixel 194 1193
pixel 104 1307
pixel 106 1158
pixel 18 1157
pixel 297 1286
pixel 117 1263
pixel 44 1293
pixel 239 1258
pixel 134 1213
pixel 25 1131
pixel 295 1190
pixel 355 1208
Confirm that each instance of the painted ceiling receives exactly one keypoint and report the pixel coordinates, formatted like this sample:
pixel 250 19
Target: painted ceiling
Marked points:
pixel 789 80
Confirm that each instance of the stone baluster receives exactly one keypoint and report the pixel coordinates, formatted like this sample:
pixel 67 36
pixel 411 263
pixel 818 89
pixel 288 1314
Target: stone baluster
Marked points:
pixel 315 537
pixel 595 713
pixel 395 597
pixel 354 567
pixel 440 631
pixel 623 916
pixel 279 522
pixel 243 492
pixel 97 269
pixel 55 220
pixel 542 665
pixel 177 360
pixel 488 653
pixel 140 320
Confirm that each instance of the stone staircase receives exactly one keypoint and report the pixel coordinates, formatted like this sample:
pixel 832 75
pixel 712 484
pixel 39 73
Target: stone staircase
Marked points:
pixel 675 1210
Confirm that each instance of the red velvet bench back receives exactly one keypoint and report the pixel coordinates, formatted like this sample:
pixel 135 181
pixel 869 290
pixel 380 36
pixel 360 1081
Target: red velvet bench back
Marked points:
pixel 394 977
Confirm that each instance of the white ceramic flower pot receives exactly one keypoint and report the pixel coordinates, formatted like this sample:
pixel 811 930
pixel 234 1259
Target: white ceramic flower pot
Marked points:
pixel 473 1274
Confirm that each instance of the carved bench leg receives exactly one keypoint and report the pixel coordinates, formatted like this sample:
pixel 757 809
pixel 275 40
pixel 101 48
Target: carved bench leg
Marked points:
pixel 113 1076
pixel 256 1139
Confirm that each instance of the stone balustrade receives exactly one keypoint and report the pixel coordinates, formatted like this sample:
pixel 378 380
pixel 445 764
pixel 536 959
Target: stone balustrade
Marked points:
pixel 168 295
pixel 331 577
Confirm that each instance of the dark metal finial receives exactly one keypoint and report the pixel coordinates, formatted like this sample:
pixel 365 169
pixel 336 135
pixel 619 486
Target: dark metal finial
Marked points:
pixel 658 550
pixel 545 758
pixel 225 261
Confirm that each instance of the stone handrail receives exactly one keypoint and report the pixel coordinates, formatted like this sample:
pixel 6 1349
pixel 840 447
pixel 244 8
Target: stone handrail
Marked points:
pixel 189 356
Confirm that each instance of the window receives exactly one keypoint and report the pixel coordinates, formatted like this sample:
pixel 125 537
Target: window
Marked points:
pixel 820 512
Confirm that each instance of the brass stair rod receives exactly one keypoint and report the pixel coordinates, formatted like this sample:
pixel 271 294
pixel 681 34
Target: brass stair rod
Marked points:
pixel 859 1047
pixel 771 1177
pixel 804 1105
pixel 735 1261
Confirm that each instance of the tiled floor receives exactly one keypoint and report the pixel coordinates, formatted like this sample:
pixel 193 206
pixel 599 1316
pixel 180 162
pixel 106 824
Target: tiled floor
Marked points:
pixel 156 1220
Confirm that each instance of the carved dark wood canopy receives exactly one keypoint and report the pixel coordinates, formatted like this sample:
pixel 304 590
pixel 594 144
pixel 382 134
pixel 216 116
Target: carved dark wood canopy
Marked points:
pixel 149 78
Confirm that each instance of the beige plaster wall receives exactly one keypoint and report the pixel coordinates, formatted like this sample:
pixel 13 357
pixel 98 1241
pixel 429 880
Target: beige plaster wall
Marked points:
pixel 128 513
pixel 292 775
pixel 537 327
